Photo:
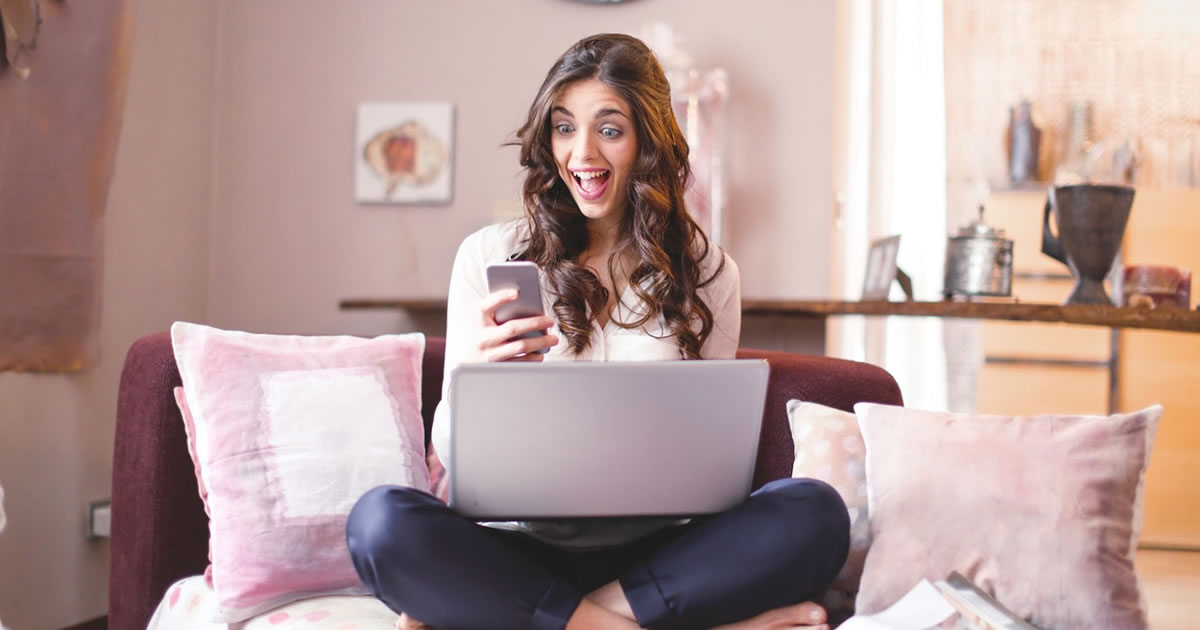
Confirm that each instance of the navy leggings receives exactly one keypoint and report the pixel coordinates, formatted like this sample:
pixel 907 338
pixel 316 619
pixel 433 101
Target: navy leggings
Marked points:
pixel 783 545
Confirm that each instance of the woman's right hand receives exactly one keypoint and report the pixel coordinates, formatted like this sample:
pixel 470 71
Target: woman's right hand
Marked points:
pixel 503 342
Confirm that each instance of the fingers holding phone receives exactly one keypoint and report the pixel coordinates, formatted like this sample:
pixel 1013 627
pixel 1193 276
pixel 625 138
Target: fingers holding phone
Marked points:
pixel 520 339
pixel 514 326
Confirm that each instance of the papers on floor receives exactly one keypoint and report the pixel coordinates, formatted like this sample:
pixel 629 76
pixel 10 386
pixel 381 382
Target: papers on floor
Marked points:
pixel 929 605
pixel 921 608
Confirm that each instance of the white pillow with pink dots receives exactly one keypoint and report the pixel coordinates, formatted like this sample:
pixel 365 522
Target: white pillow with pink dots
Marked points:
pixel 190 604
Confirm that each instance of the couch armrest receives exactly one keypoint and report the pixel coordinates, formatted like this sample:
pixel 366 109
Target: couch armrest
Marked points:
pixel 831 382
pixel 159 529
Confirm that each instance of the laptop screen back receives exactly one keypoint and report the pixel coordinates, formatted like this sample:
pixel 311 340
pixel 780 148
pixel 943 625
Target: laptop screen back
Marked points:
pixel 594 439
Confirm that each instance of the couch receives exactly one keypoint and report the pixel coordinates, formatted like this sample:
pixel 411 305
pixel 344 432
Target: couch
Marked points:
pixel 159 527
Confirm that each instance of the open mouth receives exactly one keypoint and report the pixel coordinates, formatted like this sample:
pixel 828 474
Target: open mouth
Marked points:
pixel 591 184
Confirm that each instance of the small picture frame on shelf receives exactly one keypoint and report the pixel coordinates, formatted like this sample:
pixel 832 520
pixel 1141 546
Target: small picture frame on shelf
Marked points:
pixel 881 268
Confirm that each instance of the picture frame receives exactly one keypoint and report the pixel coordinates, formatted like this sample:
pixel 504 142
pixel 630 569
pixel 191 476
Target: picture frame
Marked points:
pixel 404 153
pixel 881 268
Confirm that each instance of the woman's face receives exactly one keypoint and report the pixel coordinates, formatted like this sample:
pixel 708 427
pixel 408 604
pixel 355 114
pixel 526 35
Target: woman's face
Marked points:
pixel 595 145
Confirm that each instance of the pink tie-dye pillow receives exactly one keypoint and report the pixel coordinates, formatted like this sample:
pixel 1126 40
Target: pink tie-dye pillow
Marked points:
pixel 287 432
pixel 1043 512
pixel 439 477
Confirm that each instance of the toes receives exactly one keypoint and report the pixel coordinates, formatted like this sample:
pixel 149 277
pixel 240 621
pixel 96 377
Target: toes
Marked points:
pixel 408 623
pixel 810 613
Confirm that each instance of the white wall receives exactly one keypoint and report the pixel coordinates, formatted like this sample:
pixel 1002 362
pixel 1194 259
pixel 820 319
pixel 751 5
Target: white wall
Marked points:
pixel 288 239
pixel 57 431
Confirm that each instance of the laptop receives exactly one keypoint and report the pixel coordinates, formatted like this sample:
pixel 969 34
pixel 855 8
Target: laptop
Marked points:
pixel 603 439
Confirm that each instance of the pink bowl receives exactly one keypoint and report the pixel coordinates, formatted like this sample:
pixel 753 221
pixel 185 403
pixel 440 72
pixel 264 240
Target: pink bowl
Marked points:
pixel 1162 285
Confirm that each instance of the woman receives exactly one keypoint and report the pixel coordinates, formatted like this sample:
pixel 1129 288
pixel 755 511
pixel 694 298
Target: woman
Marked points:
pixel 627 275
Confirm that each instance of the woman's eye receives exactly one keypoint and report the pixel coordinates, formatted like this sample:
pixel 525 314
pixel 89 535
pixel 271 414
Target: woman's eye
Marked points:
pixel 610 132
pixel 563 128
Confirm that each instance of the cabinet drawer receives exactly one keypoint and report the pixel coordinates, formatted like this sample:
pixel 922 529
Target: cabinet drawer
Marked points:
pixel 1026 390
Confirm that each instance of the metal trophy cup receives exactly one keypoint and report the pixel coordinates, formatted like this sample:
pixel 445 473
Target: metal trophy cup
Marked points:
pixel 1091 222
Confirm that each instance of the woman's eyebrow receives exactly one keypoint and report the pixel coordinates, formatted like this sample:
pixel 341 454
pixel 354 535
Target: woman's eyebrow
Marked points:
pixel 608 112
pixel 559 109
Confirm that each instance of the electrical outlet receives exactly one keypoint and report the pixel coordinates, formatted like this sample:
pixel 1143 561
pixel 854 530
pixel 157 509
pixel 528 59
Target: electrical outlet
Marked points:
pixel 100 519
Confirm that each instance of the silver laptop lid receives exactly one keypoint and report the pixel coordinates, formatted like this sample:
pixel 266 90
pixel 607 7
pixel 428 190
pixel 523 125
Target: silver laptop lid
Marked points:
pixel 602 439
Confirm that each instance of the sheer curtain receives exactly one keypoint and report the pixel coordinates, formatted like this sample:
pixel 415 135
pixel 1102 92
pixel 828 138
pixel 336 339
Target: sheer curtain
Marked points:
pixel 892 180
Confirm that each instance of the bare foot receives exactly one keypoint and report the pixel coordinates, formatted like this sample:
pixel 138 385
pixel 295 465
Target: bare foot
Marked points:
pixel 404 622
pixel 802 615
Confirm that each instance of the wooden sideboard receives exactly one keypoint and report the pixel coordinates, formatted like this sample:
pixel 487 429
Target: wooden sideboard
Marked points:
pixel 1178 320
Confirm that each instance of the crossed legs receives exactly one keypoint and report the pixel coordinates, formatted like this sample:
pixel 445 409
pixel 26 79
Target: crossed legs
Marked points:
pixel 780 547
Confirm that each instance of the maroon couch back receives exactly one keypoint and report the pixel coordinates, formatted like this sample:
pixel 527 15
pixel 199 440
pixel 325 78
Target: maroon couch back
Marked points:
pixel 831 382
pixel 160 531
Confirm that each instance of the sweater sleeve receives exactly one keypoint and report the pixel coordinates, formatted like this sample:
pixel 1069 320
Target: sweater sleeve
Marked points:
pixel 724 297
pixel 468 287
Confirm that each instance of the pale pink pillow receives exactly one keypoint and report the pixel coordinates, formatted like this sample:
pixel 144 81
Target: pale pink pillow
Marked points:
pixel 287 433
pixel 1041 511
pixel 830 447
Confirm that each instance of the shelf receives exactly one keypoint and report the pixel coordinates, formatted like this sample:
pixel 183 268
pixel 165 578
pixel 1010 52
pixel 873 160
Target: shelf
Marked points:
pixel 1177 320
pixel 374 304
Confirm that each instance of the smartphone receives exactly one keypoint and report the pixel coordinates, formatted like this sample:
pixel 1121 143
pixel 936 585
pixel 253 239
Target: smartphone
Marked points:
pixel 522 276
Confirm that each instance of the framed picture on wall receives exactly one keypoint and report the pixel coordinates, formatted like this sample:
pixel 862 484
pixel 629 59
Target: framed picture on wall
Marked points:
pixel 404 153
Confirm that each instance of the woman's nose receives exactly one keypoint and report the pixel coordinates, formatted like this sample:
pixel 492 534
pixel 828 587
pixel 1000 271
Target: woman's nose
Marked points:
pixel 585 147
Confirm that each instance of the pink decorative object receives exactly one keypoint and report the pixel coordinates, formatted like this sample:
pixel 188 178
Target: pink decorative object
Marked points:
pixel 1043 512
pixel 287 433
pixel 1156 285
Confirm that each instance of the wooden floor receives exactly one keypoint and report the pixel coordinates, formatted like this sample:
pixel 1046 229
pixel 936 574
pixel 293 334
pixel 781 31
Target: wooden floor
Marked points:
pixel 1171 581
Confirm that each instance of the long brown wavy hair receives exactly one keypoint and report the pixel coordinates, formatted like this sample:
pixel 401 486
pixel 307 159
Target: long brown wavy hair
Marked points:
pixel 657 232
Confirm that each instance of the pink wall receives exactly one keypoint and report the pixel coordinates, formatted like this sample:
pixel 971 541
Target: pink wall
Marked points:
pixel 232 201
pixel 288 239
pixel 56 431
